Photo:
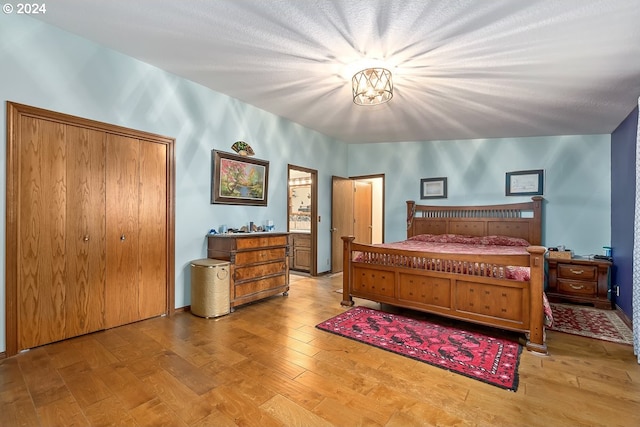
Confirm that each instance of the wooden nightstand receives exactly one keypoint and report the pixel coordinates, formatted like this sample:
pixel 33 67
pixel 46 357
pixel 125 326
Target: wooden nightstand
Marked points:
pixel 580 280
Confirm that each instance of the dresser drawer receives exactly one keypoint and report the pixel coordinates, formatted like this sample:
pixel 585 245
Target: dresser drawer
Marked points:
pixel 265 255
pixel 258 271
pixel 261 242
pixel 255 286
pixel 578 272
pixel 574 287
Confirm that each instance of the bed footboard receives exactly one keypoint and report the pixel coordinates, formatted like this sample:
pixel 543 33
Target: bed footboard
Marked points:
pixel 474 288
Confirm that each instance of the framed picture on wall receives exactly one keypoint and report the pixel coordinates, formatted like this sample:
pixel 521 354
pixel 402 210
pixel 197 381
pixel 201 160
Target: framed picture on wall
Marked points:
pixel 433 188
pixel 239 180
pixel 524 183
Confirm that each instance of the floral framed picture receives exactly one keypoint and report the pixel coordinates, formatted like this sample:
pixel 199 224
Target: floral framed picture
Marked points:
pixel 433 188
pixel 524 183
pixel 239 180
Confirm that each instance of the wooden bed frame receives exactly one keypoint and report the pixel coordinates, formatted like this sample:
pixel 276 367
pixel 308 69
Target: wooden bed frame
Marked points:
pixel 399 277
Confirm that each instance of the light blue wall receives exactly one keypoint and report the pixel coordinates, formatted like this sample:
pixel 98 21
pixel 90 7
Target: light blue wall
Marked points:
pixel 48 68
pixel 577 187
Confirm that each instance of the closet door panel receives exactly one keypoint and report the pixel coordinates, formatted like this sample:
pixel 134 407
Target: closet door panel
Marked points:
pixel 86 262
pixel 123 180
pixel 41 245
pixel 152 230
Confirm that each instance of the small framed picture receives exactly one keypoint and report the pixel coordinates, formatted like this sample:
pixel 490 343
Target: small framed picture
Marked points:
pixel 433 188
pixel 524 183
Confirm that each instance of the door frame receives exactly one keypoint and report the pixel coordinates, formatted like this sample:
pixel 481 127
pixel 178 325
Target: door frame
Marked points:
pixel 313 270
pixel 14 112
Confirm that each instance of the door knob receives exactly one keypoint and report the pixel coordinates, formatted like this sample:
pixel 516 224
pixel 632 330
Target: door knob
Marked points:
pixel 122 237
pixel 86 238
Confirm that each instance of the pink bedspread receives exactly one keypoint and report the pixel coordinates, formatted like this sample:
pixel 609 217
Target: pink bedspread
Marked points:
pixel 456 248
pixel 459 244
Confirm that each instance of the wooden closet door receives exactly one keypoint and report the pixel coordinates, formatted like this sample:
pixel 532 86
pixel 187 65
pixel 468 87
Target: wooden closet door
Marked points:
pixel 152 222
pixel 41 271
pixel 90 226
pixel 85 241
pixel 123 180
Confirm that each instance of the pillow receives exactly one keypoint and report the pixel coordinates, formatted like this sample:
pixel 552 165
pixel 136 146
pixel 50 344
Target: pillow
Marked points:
pixel 503 241
pixel 444 238
pixel 470 240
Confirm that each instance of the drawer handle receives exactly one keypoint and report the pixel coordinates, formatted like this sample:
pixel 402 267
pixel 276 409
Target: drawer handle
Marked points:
pixel 577 288
pixel 576 271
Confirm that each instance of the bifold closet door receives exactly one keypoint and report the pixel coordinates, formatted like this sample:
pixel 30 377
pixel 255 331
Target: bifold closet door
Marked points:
pixel 41 290
pixel 136 230
pixel 86 222
pixel 61 259
pixel 152 220
pixel 90 226
pixel 123 179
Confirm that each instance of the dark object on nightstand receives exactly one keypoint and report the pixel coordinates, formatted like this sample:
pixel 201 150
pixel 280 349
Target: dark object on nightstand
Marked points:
pixel 580 280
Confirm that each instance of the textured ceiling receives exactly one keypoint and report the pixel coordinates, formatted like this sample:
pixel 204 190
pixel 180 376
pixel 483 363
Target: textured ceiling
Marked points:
pixel 462 69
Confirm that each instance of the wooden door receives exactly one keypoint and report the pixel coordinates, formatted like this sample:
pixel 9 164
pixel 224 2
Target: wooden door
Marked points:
pixel 41 245
pixel 85 239
pixel 341 218
pixel 122 181
pixel 61 282
pixel 58 205
pixel 152 220
pixel 362 214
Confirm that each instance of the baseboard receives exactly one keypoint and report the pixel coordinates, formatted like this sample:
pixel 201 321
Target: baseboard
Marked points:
pixel 626 319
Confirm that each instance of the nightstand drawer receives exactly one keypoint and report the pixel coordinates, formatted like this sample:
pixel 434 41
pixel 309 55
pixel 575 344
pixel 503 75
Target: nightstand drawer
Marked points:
pixel 572 287
pixel 577 272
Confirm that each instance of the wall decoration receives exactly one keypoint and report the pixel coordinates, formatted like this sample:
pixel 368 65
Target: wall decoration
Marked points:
pixel 239 180
pixel 433 188
pixel 525 183
pixel 242 148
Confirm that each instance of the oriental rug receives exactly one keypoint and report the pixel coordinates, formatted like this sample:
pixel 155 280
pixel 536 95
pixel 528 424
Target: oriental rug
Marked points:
pixel 475 355
pixel 590 322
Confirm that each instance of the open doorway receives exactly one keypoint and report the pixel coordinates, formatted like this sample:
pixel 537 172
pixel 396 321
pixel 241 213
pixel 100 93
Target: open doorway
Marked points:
pixel 357 209
pixel 302 206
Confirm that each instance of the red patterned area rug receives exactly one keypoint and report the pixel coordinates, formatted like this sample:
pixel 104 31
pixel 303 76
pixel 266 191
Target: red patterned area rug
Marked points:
pixel 481 357
pixel 590 322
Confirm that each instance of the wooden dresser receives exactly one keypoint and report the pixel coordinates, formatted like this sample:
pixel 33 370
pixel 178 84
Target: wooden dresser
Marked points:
pixel 259 264
pixel 580 280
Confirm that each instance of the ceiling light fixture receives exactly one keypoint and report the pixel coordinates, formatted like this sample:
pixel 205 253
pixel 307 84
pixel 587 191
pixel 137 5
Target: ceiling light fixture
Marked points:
pixel 372 86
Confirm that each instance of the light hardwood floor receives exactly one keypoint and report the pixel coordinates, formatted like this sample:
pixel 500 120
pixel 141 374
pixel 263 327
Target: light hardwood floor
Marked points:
pixel 267 365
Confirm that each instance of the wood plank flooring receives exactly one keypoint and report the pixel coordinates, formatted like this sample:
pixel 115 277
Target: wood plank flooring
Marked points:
pixel 267 365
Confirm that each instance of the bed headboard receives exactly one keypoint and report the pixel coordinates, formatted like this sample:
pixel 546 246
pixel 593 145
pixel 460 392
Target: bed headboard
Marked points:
pixel 522 220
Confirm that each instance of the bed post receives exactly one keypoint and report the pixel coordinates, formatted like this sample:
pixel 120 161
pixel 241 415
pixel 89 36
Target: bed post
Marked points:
pixel 411 211
pixel 536 231
pixel 536 339
pixel 346 271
